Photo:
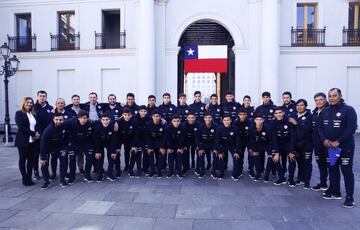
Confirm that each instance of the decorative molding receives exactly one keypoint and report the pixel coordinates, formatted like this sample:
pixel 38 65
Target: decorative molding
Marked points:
pixel 161 2
pixel 172 50
pixel 240 49
pixel 254 1
pixel 320 50
pixel 76 53
pixel 230 25
pixel 15 3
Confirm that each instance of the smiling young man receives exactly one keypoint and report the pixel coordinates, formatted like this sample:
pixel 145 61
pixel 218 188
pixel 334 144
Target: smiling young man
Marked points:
pixel 283 141
pixel 320 150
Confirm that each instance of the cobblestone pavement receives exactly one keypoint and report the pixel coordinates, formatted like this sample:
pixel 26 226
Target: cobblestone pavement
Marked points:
pixel 156 204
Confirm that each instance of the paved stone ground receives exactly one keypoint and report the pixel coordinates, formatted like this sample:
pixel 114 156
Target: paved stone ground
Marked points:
pixel 168 204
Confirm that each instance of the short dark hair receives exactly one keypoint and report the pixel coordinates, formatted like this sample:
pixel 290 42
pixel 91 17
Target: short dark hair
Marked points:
pixel 93 93
pixel 247 96
pixel 56 114
pixel 197 92
pixel 266 94
pixel 190 113
pixel 278 108
pixel 303 101
pixel 155 111
pixel 229 93
pixel 258 114
pixel 105 115
pixel 242 110
pixel 214 95
pixel 41 92
pixel 336 89
pixel 226 116
pixel 320 94
pixel 111 95
pixel 126 110
pixel 130 95
pixel 175 116
pixel 287 93
pixel 82 113
pixel 142 107
pixel 75 95
pixel 166 94
pixel 151 96
pixel 207 113
pixel 182 95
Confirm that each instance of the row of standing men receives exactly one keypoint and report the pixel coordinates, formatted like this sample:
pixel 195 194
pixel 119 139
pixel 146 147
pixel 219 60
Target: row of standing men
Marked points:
pixel 280 137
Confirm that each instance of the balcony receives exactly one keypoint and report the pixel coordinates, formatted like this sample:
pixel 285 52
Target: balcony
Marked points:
pixel 110 40
pixel 22 43
pixel 65 41
pixel 351 37
pixel 307 37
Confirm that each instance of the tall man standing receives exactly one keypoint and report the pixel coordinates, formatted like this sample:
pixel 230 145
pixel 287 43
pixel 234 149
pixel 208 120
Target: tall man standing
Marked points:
pixel 336 129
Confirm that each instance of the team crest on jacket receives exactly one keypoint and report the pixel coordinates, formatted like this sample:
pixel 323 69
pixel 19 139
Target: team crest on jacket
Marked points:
pixel 338 114
pixel 160 129
pixel 291 110
pixel 212 130
pixel 89 128
pixel 218 110
pixel 246 127
pixel 234 108
pixel 263 133
pixel 110 133
pixel 178 132
pixel 186 111
pixel 231 133
pixel 66 117
pixel 63 131
pixel 304 118
pixel 130 127
pixel 170 109
pixel 285 126
pixel 116 111
pixel 99 106
pixel 271 110
pixel 202 108
pixel 48 110
pixel 195 129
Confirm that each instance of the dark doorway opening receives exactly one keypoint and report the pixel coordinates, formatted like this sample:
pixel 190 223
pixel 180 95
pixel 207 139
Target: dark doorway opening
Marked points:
pixel 111 29
pixel 207 32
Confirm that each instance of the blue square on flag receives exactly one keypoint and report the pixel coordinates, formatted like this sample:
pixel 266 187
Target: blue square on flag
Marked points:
pixel 191 52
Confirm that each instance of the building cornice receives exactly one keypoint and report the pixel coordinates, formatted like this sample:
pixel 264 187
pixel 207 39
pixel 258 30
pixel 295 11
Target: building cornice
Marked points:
pixel 320 50
pixel 76 53
pixel 14 3
pixel 161 2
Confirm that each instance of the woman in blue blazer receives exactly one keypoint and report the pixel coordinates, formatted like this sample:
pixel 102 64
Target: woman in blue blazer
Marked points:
pixel 27 138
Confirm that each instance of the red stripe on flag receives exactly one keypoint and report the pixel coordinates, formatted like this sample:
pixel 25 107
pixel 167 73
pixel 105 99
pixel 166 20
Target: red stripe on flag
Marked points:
pixel 205 66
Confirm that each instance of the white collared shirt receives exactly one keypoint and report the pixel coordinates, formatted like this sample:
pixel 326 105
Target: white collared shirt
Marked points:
pixel 32 123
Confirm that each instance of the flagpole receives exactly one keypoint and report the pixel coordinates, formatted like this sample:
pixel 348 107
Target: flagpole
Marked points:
pixel 218 86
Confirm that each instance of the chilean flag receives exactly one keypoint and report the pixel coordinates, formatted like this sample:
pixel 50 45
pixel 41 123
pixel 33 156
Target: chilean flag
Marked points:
pixel 205 59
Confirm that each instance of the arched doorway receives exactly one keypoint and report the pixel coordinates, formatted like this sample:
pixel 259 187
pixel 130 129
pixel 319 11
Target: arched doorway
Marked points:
pixel 206 33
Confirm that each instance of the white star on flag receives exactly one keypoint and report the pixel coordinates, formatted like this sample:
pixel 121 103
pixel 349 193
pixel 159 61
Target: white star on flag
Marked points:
pixel 191 51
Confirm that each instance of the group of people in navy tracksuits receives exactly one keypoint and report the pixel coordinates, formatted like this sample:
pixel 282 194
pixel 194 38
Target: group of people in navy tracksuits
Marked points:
pixel 169 140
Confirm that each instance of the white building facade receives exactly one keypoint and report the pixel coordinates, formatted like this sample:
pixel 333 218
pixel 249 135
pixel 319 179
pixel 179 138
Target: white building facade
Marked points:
pixel 120 46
